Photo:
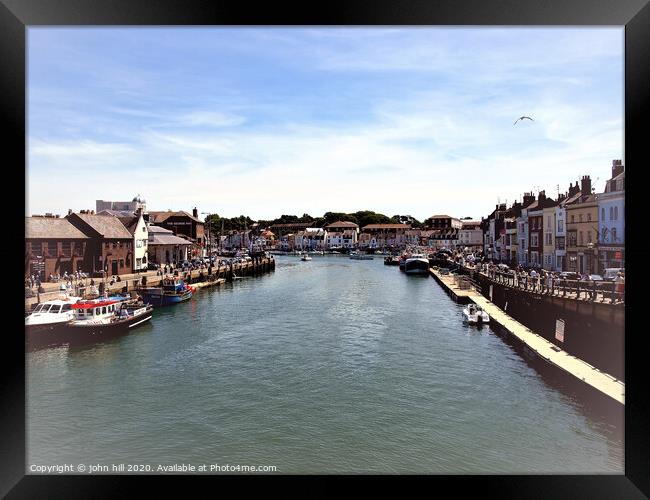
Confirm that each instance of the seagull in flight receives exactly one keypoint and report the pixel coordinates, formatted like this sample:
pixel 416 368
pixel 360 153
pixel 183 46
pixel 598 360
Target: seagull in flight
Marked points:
pixel 522 118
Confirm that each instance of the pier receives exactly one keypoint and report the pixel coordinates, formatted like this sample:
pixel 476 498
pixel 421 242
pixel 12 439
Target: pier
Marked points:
pixel 461 289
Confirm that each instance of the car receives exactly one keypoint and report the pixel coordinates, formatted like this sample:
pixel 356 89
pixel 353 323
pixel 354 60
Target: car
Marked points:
pixel 152 266
pixel 569 275
pixel 612 272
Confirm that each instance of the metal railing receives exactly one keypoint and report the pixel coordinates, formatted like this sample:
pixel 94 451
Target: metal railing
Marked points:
pixel 603 291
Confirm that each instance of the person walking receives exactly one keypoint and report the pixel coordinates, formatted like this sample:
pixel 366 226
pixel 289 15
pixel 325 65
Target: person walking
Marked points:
pixel 620 287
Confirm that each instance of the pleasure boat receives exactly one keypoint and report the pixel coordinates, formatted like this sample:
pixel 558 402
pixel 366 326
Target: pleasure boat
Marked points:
pixel 48 317
pixel 474 314
pixel 391 260
pixel 305 256
pixel 417 263
pixel 360 256
pixel 171 291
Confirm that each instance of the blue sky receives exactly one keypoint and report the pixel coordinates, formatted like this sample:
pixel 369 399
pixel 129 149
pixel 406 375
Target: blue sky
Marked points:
pixel 271 121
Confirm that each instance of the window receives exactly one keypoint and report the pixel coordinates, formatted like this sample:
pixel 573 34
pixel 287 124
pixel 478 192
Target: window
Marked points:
pixel 580 217
pixel 144 229
pixel 573 218
pixel 549 239
pixel 560 226
pixel 602 213
pixel 614 239
pixel 51 248
pixel 588 236
pixel 138 243
pixel 615 213
pixel 611 213
pixel 580 239
pixel 121 262
pixel 588 217
pixel 534 241
pixel 66 248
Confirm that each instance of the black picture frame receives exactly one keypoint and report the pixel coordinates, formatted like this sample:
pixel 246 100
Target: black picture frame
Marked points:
pixel 17 15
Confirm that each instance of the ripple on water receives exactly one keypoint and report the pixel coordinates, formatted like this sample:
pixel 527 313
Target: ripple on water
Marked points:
pixel 328 366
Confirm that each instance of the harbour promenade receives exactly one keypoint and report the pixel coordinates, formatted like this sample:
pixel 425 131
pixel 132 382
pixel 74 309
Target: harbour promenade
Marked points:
pixel 128 282
pixel 463 291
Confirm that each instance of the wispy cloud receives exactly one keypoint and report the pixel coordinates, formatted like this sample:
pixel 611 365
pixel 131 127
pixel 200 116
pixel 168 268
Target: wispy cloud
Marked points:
pixel 271 121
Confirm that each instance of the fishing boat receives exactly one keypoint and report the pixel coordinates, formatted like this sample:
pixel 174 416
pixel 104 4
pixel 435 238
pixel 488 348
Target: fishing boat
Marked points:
pixel 47 318
pixel 171 291
pixel 475 314
pixel 360 256
pixel 417 263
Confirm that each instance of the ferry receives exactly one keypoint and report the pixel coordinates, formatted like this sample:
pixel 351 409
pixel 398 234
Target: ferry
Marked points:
pixel 171 291
pixel 417 263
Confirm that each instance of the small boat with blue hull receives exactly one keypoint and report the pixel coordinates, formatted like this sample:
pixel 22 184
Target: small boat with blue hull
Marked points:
pixel 171 291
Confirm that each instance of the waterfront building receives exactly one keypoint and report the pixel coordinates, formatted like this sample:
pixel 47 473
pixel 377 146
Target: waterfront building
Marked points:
pixel 54 245
pixel 611 223
pixel 549 207
pixel 442 222
pixel 125 206
pixel 267 239
pixel 137 226
pixel 341 234
pixel 470 235
pixel 523 230
pixel 311 239
pixel 559 263
pixel 164 247
pixel 494 232
pixel 291 227
pixel 582 230
pixel 511 244
pixel 384 235
pixel 536 231
pixel 110 244
pixel 183 223
pixel 341 239
pixel 412 236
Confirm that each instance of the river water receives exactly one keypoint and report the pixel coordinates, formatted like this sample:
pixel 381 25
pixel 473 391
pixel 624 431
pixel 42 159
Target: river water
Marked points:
pixel 327 366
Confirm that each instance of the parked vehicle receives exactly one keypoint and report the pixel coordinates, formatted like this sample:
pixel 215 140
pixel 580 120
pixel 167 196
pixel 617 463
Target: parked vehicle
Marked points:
pixel 152 266
pixel 612 272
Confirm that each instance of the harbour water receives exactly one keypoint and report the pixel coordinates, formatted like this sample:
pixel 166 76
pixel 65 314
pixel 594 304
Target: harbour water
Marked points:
pixel 327 366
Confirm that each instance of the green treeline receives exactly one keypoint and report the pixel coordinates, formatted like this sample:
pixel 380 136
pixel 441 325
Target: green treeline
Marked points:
pixel 362 218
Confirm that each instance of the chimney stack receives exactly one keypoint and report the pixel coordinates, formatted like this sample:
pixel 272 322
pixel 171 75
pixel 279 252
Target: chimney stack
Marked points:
pixel 542 196
pixel 528 199
pixel 69 211
pixel 585 185
pixel 195 212
pixel 617 167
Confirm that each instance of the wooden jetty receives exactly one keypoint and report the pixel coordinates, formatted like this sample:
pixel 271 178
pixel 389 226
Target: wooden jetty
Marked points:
pixel 462 292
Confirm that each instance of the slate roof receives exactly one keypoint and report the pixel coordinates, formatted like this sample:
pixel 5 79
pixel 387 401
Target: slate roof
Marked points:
pixel 160 217
pixel 106 225
pixel 341 223
pixel 167 239
pixel 51 228
pixel 387 226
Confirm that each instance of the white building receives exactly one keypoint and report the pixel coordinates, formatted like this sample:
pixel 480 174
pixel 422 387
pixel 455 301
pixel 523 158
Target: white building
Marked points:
pixel 470 235
pixel 136 225
pixel 124 206
pixel 164 247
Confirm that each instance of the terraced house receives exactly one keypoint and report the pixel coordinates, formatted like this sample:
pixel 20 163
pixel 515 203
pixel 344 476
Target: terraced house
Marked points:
pixel 582 230
pixel 611 224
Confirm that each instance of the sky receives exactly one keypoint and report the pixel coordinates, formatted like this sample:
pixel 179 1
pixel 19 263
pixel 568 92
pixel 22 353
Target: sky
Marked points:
pixel 270 121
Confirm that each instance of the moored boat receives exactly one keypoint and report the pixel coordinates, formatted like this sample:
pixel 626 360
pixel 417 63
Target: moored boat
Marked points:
pixel 49 317
pixel 171 291
pixel 475 314
pixel 416 264
pixel 305 256
pixel 360 256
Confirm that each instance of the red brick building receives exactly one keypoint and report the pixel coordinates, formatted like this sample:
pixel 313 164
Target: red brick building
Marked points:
pixel 54 246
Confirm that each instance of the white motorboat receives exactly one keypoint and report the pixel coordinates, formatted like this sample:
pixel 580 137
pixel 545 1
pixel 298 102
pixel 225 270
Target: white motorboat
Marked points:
pixel 48 317
pixel 418 263
pixel 305 256
pixel 474 314
pixel 360 256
